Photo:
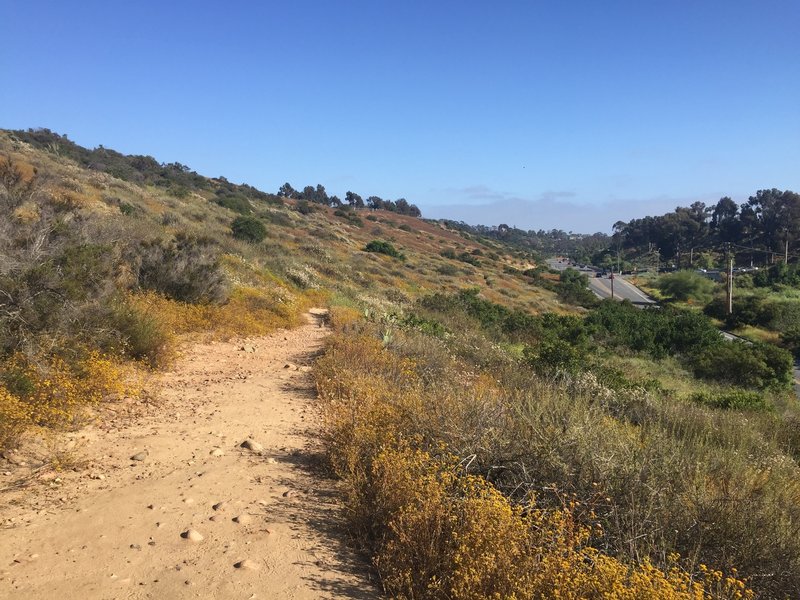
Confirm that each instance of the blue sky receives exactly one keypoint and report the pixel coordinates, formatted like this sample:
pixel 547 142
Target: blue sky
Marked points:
pixel 539 114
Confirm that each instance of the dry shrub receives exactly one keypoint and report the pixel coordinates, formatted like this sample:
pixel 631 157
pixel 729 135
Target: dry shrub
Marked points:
pixel 14 418
pixel 435 531
pixel 344 318
pixel 248 311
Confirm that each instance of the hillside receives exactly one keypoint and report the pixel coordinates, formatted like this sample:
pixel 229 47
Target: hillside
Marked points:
pixel 495 430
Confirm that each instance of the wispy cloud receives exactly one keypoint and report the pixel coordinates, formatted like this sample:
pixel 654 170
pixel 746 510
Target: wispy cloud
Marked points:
pixel 551 209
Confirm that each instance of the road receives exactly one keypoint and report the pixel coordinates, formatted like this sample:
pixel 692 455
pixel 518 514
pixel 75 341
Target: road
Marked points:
pixel 601 286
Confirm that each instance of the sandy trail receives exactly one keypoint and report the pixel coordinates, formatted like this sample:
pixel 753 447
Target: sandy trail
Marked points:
pixel 112 527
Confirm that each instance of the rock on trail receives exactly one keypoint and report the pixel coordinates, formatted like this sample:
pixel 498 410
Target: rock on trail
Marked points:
pixel 161 506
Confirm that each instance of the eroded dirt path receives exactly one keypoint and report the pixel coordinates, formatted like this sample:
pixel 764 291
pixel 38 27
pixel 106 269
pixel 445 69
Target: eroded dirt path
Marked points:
pixel 112 528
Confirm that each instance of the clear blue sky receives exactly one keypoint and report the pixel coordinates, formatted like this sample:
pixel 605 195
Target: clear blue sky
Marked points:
pixel 538 114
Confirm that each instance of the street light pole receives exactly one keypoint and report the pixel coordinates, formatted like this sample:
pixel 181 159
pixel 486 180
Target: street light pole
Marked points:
pixel 612 285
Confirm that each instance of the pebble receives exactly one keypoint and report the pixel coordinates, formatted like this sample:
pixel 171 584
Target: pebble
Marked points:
pixel 139 456
pixel 192 535
pixel 220 505
pixel 217 452
pixel 252 445
pixel 247 565
pixel 243 519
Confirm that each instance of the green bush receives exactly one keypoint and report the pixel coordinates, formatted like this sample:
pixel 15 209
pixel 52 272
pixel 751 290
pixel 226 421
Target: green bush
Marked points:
pixel 732 399
pixel 237 204
pixel 757 366
pixel 573 289
pixel 686 285
pixel 143 335
pixel 657 332
pixel 384 248
pixel 552 356
pixel 248 229
pixel 304 207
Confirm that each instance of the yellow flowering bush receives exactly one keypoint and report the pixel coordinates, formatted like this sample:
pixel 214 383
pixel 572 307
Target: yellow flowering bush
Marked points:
pixel 50 391
pixel 437 532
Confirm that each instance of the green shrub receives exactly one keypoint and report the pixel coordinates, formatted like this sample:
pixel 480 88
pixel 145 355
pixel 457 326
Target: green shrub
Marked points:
pixel 143 335
pixel 248 229
pixel 552 356
pixel 754 366
pixel 237 204
pixel 686 285
pixel 304 207
pixel 732 399
pixel 384 248
pixel 573 289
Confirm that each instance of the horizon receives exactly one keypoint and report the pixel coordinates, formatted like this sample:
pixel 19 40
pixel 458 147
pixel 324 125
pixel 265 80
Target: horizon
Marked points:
pixel 567 118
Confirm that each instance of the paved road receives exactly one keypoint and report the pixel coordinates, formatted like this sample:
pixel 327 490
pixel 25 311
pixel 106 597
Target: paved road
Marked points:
pixel 601 286
pixel 623 290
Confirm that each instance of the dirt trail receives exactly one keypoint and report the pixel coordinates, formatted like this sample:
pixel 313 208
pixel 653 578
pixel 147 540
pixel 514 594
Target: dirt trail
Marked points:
pixel 113 527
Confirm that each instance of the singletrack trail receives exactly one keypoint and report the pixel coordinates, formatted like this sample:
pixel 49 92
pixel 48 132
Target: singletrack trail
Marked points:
pixel 128 522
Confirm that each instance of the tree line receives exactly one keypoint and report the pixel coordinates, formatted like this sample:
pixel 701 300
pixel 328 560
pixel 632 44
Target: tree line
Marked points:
pixel 318 195
pixel 765 227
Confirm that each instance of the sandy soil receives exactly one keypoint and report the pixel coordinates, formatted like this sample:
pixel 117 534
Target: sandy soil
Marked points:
pixel 118 527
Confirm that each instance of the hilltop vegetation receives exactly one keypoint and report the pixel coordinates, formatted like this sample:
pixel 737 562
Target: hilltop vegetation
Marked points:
pixel 498 431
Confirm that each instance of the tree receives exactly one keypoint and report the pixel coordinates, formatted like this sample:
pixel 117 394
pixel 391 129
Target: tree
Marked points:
pixel 354 200
pixel 375 202
pixel 725 224
pixel 287 191
pixel 778 217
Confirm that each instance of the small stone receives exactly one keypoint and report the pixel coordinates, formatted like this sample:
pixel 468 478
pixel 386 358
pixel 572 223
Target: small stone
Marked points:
pixel 220 505
pixel 139 456
pixel 252 445
pixel 192 535
pixel 135 547
pixel 217 452
pixel 247 565
pixel 271 461
pixel 243 519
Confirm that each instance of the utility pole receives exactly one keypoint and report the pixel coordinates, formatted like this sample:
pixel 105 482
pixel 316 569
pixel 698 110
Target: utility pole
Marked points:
pixel 729 283
pixel 612 285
